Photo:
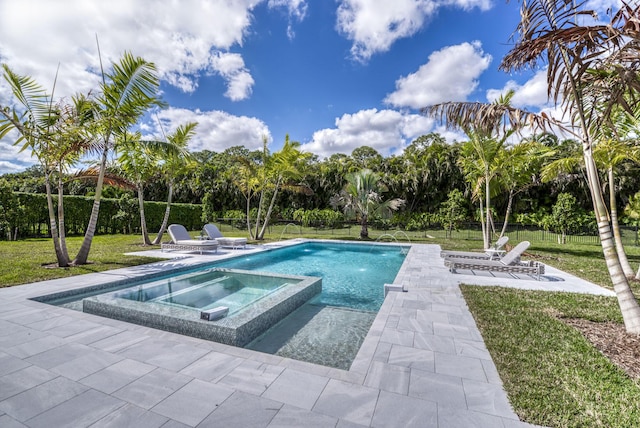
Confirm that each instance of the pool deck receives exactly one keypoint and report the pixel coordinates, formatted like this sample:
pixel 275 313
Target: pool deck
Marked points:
pixel 423 363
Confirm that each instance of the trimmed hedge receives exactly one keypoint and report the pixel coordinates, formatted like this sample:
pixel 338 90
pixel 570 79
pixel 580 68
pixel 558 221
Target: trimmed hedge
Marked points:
pixel 77 210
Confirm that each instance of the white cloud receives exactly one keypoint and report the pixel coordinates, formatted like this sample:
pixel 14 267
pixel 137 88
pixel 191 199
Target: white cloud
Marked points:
pixel 191 31
pixel 374 25
pixel 296 9
pixel 387 131
pixel 469 4
pixel 532 93
pixel 216 131
pixel 231 67
pixel 450 74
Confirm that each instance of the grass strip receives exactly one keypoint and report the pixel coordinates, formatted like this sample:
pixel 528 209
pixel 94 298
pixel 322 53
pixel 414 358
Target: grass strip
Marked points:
pixel 552 374
pixel 26 261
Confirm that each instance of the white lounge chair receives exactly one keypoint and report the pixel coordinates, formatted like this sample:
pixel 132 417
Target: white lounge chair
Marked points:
pixel 492 252
pixel 509 263
pixel 212 232
pixel 181 241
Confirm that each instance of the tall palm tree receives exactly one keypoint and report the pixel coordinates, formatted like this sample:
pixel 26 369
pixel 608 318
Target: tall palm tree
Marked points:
pixel 488 127
pixel 126 94
pixel 591 70
pixel 175 163
pixel 138 160
pixel 54 132
pixel 362 197
pixel 284 169
pixel 516 168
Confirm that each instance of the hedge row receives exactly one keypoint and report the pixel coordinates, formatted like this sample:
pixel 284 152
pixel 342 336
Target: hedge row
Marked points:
pixel 116 215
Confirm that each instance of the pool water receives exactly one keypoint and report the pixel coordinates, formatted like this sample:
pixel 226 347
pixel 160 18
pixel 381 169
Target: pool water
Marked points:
pixel 330 328
pixel 353 275
pixel 207 289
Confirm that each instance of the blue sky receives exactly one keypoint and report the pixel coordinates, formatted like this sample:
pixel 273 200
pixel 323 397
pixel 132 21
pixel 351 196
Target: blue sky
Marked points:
pixel 333 74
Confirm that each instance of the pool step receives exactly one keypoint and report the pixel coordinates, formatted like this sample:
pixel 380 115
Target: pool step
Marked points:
pixel 189 289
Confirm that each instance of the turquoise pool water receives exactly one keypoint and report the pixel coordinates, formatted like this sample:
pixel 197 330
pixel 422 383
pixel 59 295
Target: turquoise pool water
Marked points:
pixel 353 275
pixel 207 289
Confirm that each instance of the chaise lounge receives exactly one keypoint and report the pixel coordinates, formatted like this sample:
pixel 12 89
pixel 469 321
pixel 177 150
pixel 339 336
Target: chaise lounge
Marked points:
pixel 509 263
pixel 181 241
pixel 212 232
pixel 493 252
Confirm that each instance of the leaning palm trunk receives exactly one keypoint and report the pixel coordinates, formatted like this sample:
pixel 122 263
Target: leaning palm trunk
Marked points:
pixel 507 214
pixel 626 300
pixel 83 253
pixel 269 211
pixel 165 219
pixel 60 255
pixel 256 234
pixel 143 221
pixel 622 255
pixel 249 195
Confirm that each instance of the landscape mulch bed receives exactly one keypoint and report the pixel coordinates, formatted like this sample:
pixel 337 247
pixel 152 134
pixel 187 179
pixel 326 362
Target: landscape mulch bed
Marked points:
pixel 622 348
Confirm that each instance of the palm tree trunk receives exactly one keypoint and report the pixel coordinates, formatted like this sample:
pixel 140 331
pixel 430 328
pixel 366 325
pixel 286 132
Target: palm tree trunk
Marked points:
pixel 83 253
pixel 487 235
pixel 61 226
pixel 626 300
pixel 622 255
pixel 364 230
pixel 249 229
pixel 484 234
pixel 269 211
pixel 165 219
pixel 62 260
pixel 507 213
pixel 143 220
pixel 259 214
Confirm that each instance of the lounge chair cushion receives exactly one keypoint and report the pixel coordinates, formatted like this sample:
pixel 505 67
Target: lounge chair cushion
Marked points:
pixel 181 240
pixel 214 233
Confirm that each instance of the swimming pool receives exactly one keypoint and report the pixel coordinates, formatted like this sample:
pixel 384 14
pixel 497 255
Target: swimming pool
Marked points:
pixel 313 301
pixel 353 274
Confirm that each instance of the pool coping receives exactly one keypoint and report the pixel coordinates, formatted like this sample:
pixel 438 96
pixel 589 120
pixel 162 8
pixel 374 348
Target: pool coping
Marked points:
pixel 423 362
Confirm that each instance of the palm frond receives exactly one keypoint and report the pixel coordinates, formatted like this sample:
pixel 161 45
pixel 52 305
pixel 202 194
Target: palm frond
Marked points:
pixel 110 178
pixel 486 118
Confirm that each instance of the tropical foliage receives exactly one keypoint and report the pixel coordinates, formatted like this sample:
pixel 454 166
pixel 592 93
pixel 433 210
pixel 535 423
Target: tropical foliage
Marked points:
pixel 362 197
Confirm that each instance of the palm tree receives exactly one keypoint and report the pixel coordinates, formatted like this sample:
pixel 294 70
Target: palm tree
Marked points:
pixel 516 167
pixel 362 197
pixel 616 144
pixel 284 169
pixel 126 94
pixel 488 127
pixel 138 160
pixel 55 135
pixel 591 70
pixel 174 164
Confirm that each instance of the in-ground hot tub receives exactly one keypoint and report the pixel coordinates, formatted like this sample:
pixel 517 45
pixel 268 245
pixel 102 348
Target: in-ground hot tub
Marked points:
pixel 255 301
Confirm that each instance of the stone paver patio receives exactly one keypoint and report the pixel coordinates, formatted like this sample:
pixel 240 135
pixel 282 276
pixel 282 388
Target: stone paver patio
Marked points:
pixel 423 364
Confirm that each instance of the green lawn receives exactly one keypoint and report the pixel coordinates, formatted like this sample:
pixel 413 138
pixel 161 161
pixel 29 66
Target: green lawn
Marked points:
pixel 28 260
pixel 553 375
